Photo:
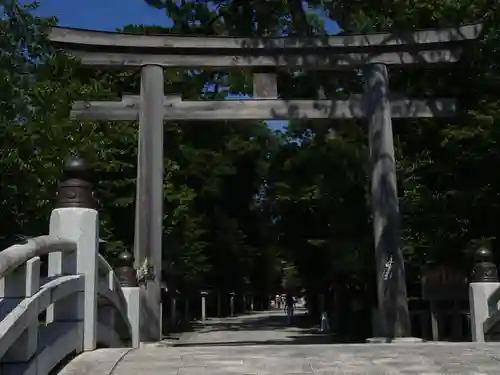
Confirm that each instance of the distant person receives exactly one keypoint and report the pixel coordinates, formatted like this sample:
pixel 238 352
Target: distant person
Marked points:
pixel 290 305
pixel 277 300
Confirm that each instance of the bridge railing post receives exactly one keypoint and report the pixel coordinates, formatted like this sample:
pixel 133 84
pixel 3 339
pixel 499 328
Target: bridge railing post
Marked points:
pixel 23 282
pixel 484 282
pixel 75 218
pixel 127 276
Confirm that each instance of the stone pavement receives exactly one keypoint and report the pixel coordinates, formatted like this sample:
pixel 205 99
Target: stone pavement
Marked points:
pixel 262 344
pixel 259 328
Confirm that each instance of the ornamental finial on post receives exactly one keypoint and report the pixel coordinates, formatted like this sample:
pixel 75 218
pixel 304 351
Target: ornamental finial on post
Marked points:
pixel 484 271
pixel 75 188
pixel 125 272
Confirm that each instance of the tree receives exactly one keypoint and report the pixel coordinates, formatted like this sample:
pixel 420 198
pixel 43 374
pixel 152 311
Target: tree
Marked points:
pixel 240 199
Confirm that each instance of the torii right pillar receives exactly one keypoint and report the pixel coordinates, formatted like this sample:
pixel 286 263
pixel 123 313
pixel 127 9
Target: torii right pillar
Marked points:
pixel 393 316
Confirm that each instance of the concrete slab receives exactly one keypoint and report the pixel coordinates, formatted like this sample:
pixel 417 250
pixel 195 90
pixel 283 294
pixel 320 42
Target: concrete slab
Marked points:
pixel 362 359
pixel 98 362
pixel 263 344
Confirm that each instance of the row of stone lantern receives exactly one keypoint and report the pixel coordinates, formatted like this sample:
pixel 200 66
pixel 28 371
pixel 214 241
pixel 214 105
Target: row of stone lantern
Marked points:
pixel 204 296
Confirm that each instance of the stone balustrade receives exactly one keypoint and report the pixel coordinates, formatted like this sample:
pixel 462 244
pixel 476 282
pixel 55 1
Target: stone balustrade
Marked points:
pixel 484 297
pixel 81 304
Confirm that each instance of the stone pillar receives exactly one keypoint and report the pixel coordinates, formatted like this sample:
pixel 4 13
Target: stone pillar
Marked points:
pixel 20 283
pixel 173 309
pixel 127 276
pixel 77 219
pixel 149 199
pixel 251 302
pixel 434 312
pixel 484 284
pixel 391 280
pixel 203 305
pixel 231 303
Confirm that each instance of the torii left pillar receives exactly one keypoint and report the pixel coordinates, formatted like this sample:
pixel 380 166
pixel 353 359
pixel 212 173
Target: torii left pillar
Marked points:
pixel 149 199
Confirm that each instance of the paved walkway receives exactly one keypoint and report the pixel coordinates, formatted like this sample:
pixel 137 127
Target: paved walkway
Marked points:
pixel 262 344
pixel 260 328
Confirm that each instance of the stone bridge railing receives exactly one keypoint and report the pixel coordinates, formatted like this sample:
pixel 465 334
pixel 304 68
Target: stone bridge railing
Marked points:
pixel 80 304
pixel 484 297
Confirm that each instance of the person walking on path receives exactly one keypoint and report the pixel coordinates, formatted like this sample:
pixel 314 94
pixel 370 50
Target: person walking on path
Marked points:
pixel 277 301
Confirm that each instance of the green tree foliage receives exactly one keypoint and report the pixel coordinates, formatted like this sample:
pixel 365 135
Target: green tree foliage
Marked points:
pixel 213 172
pixel 240 199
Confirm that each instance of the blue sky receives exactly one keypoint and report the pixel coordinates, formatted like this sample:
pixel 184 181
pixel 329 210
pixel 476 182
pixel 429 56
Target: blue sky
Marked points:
pixel 110 14
pixel 113 14
pixel 102 14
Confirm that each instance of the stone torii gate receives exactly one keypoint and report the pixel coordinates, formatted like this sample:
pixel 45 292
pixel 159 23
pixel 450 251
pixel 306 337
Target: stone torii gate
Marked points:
pixel 371 52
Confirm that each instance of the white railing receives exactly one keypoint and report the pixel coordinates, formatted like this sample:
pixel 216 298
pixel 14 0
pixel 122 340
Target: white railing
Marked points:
pixel 484 298
pixel 84 304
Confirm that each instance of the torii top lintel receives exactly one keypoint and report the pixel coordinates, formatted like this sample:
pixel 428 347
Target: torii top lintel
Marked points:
pixel 101 48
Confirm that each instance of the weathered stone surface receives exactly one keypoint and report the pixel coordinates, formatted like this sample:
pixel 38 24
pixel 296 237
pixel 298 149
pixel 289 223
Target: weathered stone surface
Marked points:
pixel 101 361
pixel 240 346
pixel 362 359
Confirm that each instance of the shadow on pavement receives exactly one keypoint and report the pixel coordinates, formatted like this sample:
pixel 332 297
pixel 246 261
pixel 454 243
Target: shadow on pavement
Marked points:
pixel 260 323
pixel 302 331
pixel 292 340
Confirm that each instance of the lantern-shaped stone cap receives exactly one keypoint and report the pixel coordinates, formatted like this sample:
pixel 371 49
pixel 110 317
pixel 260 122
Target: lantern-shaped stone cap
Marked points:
pixel 75 188
pixel 232 294
pixel 484 270
pixel 124 271
pixel 204 293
